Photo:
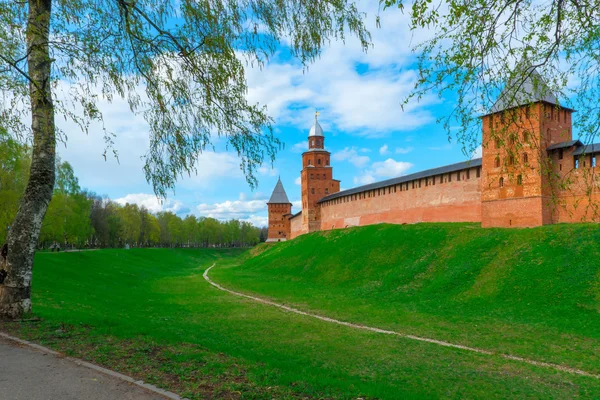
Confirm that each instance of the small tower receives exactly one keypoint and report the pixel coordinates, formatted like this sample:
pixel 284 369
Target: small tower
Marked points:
pixel 522 125
pixel 316 177
pixel 280 210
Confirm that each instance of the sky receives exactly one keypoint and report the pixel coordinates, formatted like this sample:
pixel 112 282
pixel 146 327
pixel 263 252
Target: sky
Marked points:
pixel 358 96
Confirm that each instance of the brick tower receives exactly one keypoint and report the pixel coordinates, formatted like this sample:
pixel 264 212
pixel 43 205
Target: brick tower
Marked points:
pixel 280 210
pixel 316 177
pixel 523 125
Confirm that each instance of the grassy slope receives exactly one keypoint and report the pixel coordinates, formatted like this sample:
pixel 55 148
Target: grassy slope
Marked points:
pixel 150 313
pixel 531 292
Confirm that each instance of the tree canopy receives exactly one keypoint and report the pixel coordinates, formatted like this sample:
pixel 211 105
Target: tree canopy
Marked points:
pixel 474 48
pixel 179 63
pixel 79 218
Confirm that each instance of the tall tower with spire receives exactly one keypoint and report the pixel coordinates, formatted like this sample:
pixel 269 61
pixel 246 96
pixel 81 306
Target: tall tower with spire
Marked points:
pixel 280 209
pixel 316 178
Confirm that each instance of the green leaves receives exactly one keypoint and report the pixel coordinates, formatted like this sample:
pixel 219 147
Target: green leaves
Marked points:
pixel 180 64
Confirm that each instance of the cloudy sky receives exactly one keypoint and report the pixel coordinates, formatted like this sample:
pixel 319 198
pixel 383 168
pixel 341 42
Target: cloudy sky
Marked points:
pixel 358 96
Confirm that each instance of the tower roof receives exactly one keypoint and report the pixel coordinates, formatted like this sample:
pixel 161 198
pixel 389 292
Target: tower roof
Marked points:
pixel 316 129
pixel 520 92
pixel 279 196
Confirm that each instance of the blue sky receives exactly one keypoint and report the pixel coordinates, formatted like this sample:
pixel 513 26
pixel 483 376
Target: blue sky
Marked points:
pixel 358 96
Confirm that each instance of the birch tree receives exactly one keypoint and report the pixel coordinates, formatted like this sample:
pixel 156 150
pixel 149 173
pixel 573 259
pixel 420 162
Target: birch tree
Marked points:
pixel 179 63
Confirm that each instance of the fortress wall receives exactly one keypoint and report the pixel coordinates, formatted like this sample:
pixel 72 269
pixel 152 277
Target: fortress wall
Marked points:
pixel 296 227
pixel 513 212
pixel 448 200
pixel 579 201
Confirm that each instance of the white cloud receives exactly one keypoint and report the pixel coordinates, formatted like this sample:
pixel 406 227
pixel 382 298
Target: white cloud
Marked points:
pixel 383 150
pixel 477 153
pixel 389 168
pixel 298 181
pixel 242 209
pixel 364 179
pixel 152 203
pixel 300 147
pixel 268 171
pixel 403 150
pixel 356 91
pixel 351 155
pixel 257 220
pixel 212 167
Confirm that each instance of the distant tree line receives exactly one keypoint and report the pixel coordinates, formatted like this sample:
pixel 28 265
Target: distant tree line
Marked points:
pixel 80 218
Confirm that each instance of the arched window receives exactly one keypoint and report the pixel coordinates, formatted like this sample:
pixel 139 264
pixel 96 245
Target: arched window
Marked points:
pixel 525 158
pixel 519 179
pixel 309 162
pixel 497 162
pixel 526 137
pixel 319 161
pixel 511 160
pixel 312 176
pixel 512 138
pixel 324 176
pixel 501 182
pixel 312 190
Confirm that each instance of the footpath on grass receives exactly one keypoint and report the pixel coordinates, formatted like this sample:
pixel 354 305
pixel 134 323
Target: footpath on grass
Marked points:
pixel 399 334
pixel 30 372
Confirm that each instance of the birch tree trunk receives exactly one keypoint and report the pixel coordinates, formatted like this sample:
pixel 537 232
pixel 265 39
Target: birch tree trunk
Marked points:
pixel 24 233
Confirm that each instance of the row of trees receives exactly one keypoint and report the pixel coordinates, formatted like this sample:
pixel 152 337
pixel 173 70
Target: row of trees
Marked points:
pixel 80 218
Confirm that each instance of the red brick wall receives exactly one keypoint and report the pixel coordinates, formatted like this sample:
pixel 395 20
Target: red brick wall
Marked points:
pixel 279 222
pixel 513 212
pixel 454 201
pixel 516 169
pixel 576 195
pixel 296 227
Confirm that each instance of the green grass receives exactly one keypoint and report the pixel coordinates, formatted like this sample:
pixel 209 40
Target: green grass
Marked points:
pixel 529 292
pixel 533 293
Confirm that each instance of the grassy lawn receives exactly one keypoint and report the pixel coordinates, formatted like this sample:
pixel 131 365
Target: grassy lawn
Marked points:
pixel 531 292
pixel 149 313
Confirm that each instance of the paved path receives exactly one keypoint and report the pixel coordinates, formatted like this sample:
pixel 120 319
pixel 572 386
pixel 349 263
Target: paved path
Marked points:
pixel 542 364
pixel 29 374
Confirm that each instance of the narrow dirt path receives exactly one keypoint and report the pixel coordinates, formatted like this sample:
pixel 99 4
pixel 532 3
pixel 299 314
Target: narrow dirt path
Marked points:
pixel 402 335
